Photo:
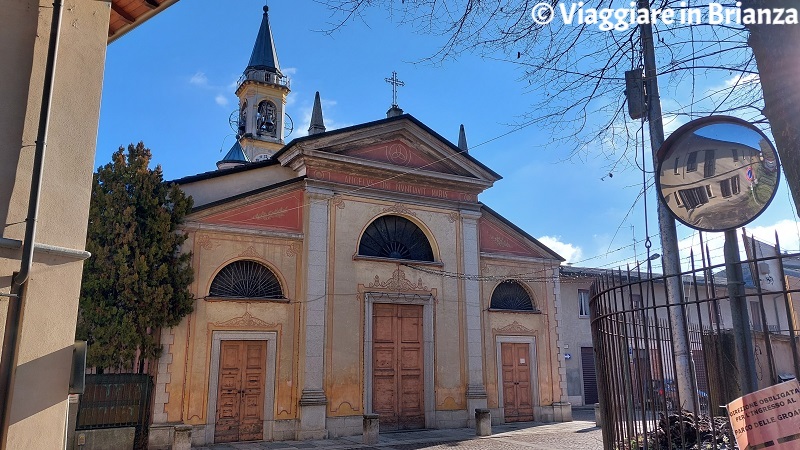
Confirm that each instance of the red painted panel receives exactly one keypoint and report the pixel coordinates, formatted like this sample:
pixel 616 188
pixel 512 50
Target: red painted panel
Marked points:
pixel 400 154
pixel 284 212
pixel 494 239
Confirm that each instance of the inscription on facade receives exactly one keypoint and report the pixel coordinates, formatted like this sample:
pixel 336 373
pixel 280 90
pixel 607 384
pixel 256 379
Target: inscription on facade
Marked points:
pixel 393 185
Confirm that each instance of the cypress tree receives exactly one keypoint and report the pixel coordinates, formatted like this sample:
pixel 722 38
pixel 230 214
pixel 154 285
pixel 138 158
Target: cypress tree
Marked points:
pixel 137 279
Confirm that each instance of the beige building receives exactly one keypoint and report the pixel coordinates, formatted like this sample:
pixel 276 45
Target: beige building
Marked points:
pixel 42 356
pixel 576 334
pixel 353 272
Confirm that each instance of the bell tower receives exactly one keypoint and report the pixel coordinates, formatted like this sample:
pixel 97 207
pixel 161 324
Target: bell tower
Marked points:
pixel 262 92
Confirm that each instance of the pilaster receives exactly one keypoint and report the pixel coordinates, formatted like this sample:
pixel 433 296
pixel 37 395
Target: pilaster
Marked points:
pixel 313 399
pixel 557 318
pixel 476 390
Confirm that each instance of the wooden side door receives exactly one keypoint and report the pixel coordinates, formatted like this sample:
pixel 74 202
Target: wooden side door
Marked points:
pixel 240 397
pixel 517 394
pixel 397 366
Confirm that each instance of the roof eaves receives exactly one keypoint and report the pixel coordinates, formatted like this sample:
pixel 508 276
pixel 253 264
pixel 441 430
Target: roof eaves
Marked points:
pixel 409 117
pixel 223 172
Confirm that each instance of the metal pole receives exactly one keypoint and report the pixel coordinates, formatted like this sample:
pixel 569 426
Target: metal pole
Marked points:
pixel 745 359
pixel 671 263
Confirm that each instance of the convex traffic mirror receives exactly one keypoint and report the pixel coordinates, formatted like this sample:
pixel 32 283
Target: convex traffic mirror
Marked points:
pixel 717 173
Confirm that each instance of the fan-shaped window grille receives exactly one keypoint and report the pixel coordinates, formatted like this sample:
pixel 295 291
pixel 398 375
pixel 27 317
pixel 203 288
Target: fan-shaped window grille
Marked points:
pixel 246 279
pixel 395 237
pixel 511 295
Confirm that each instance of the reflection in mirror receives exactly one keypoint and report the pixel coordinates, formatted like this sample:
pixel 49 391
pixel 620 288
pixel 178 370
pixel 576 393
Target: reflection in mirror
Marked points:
pixel 718 174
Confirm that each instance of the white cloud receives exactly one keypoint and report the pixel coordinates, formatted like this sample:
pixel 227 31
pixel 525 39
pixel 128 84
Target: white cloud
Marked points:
pixel 788 234
pixel 199 79
pixel 742 79
pixel 719 91
pixel 220 93
pixel 569 252
pixel 291 99
pixel 289 71
pixel 221 100
pixel 672 123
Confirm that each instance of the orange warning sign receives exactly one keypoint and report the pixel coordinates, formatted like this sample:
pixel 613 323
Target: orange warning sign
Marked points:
pixel 769 418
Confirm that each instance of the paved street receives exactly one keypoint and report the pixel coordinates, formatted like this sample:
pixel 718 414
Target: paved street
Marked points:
pixel 581 434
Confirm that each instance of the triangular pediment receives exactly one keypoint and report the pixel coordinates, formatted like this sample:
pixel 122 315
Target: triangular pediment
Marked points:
pixel 498 236
pixel 399 144
pixel 280 212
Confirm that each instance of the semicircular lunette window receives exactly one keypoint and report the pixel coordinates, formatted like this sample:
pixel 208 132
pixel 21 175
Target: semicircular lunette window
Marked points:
pixel 397 238
pixel 246 279
pixel 512 296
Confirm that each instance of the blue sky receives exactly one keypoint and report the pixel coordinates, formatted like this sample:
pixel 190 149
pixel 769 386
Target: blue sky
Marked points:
pixel 170 83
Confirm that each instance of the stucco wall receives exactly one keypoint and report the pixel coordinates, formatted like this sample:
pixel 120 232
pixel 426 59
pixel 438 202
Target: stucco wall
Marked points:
pixel 351 283
pixel 540 325
pixel 354 276
pixel 190 353
pixel 51 300
pixel 576 333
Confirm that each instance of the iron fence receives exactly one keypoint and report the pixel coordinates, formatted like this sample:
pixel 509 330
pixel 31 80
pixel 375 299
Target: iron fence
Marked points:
pixel 634 330
pixel 117 401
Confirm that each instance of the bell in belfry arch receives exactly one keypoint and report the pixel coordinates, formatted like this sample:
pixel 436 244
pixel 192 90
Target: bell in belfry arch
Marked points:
pixel 269 125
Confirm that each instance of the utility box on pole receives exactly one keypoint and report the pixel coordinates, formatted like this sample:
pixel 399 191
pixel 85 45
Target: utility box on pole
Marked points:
pixel 635 94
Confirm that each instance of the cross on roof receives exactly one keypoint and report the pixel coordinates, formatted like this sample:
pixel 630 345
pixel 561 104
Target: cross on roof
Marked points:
pixel 395 82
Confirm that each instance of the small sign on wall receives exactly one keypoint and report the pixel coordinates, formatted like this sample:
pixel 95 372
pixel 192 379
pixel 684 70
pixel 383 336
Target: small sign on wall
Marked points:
pixel 567 356
pixel 768 418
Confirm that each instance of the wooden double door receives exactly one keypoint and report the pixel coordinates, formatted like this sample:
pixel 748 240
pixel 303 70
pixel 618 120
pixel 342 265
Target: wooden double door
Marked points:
pixel 398 385
pixel 240 397
pixel 517 393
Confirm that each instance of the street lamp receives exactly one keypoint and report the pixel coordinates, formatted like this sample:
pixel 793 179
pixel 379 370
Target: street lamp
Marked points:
pixel 652 257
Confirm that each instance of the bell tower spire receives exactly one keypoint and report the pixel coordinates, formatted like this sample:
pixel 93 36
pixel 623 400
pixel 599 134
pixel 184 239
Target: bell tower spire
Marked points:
pixel 262 92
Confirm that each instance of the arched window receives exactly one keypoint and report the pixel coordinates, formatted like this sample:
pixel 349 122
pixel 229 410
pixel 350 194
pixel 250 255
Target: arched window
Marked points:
pixel 267 118
pixel 243 117
pixel 512 296
pixel 246 279
pixel 397 238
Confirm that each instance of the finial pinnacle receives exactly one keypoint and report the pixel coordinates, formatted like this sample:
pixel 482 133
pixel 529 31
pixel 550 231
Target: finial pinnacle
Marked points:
pixel 317 125
pixel 266 9
pixel 462 140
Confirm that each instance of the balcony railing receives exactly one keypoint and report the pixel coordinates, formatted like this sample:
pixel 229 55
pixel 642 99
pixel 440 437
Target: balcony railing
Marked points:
pixel 264 77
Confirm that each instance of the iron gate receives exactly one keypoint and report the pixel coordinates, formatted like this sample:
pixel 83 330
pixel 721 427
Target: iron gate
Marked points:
pixel 115 401
pixel 633 329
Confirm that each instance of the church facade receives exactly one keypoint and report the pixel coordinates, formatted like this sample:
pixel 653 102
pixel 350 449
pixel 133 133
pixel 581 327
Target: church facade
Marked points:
pixel 353 272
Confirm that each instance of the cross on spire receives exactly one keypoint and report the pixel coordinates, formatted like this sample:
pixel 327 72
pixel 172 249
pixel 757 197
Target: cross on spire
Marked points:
pixel 395 82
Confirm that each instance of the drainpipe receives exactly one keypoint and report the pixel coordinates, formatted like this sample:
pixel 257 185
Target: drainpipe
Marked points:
pixel 8 358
